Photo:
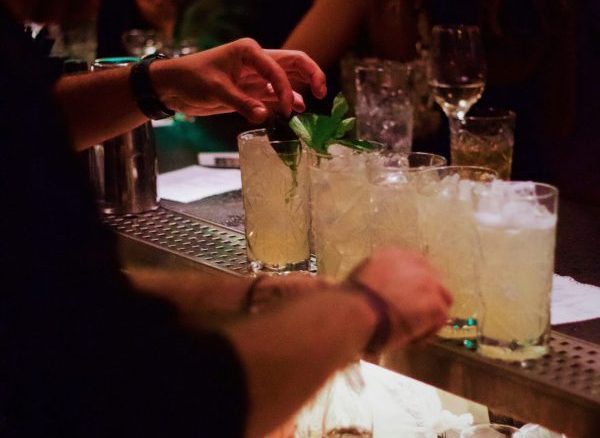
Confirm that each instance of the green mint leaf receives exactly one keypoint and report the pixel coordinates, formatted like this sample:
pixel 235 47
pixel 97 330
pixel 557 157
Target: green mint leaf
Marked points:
pixel 325 130
pixel 304 127
pixel 345 126
pixel 359 145
pixel 320 131
pixel 340 107
pixel 315 130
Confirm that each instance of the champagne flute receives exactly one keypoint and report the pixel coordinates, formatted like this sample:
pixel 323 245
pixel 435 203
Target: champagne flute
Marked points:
pixel 456 68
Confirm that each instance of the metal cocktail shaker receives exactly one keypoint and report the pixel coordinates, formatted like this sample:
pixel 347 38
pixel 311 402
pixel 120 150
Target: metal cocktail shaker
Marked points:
pixel 123 170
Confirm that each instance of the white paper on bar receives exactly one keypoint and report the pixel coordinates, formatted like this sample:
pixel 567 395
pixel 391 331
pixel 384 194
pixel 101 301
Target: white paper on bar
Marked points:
pixel 197 182
pixel 402 407
pixel 573 301
pixel 405 407
pixel 163 123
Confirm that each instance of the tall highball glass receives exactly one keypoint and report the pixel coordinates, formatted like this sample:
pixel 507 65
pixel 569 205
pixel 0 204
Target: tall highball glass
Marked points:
pixel 516 230
pixel 339 209
pixel 275 195
pixel 394 217
pixel 449 239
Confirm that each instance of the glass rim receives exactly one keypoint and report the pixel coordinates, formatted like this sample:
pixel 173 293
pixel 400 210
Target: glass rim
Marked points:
pixel 380 148
pixel 252 132
pixel 451 167
pixel 244 136
pixel 490 113
pixel 552 191
pixel 414 153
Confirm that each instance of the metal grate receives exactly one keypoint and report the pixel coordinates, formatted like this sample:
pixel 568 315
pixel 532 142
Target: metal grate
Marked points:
pixel 573 366
pixel 183 235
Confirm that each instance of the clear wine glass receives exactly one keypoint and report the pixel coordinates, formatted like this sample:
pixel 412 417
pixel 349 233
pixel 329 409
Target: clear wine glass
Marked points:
pixel 456 68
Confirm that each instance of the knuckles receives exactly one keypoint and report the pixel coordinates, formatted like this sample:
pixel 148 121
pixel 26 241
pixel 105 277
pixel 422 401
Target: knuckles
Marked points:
pixel 247 44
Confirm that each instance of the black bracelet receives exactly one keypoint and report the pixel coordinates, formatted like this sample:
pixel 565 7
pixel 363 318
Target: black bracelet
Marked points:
pixel 143 90
pixel 252 303
pixel 383 328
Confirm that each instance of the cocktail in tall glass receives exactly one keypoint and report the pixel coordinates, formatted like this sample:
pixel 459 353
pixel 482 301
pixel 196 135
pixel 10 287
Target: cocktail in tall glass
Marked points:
pixel 275 195
pixel 339 209
pixel 449 239
pixel 516 228
pixel 394 217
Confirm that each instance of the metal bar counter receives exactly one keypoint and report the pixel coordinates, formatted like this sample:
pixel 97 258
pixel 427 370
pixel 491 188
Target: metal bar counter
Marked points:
pixel 560 391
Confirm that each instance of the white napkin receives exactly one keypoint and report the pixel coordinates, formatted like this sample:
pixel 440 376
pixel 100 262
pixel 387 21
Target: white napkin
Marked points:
pixel 404 407
pixel 573 301
pixel 197 182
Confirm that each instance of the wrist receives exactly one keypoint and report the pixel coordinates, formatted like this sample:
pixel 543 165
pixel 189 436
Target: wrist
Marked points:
pixel 163 75
pixel 382 328
pixel 258 296
pixel 147 87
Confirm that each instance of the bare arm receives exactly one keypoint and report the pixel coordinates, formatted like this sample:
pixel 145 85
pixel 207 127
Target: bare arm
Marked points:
pixel 97 106
pixel 203 298
pixel 290 349
pixel 289 353
pixel 238 76
pixel 327 29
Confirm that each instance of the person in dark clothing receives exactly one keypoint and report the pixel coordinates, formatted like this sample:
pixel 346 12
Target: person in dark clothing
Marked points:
pixel 86 351
pixel 114 19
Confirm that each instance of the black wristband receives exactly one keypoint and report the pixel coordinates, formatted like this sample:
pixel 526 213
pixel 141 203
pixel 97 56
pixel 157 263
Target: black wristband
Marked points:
pixel 143 90
pixel 253 303
pixel 383 328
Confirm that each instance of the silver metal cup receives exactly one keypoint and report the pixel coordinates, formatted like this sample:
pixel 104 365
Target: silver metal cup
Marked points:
pixel 123 170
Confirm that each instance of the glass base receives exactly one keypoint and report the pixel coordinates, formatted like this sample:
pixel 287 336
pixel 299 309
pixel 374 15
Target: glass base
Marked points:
pixel 512 351
pixel 258 266
pixel 459 329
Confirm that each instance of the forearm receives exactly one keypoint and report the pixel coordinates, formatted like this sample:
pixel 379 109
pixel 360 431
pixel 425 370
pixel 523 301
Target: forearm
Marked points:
pixel 97 106
pixel 198 296
pixel 290 353
pixel 326 44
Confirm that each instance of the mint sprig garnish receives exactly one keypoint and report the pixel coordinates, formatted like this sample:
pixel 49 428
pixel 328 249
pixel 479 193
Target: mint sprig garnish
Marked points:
pixel 319 131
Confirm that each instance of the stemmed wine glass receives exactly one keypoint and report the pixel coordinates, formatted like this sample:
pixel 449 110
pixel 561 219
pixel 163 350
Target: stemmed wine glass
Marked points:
pixel 456 68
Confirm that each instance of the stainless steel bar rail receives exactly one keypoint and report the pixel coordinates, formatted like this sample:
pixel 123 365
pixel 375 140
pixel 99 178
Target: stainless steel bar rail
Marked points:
pixel 560 391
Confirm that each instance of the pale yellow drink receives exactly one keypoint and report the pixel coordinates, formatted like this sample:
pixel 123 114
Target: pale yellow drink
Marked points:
pixel 275 196
pixel 484 138
pixel 449 240
pixel 517 238
pixel 339 210
pixel 394 215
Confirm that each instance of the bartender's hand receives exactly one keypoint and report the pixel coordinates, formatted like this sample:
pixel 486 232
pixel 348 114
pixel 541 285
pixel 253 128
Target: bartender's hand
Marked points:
pixel 417 299
pixel 239 76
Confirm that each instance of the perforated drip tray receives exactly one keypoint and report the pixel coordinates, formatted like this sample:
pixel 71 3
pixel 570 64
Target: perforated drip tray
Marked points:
pixel 572 367
pixel 560 390
pixel 185 236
